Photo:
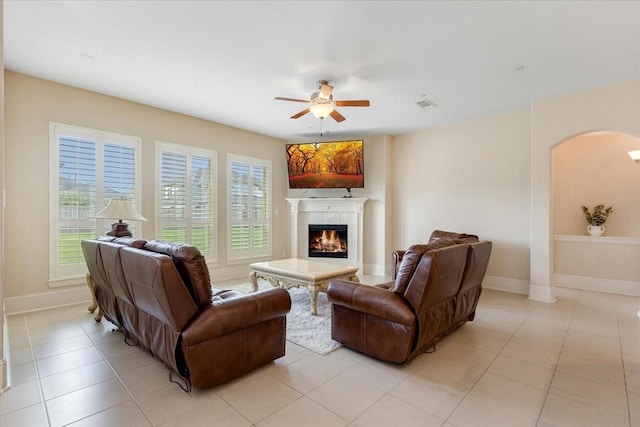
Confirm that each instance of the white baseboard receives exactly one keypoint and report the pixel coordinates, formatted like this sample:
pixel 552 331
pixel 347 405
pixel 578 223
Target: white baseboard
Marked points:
pixel 5 366
pixel 375 270
pixel 541 293
pixel 45 300
pixel 506 284
pixel 61 297
pixel 242 272
pixel 623 287
pixel 545 293
pixel 231 273
pixel 5 384
pixel 34 302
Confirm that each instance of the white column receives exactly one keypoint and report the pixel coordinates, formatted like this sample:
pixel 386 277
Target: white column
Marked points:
pixel 294 227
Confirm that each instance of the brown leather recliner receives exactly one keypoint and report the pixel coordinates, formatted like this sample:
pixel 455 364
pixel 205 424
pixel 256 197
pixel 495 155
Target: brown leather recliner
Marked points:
pixel 470 289
pixel 101 273
pixel 161 297
pixel 436 235
pixel 435 291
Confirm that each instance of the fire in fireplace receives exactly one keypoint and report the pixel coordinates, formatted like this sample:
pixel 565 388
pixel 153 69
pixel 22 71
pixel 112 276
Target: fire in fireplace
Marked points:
pixel 328 240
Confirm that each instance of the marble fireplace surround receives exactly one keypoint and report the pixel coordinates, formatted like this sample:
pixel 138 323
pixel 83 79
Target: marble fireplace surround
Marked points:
pixel 349 211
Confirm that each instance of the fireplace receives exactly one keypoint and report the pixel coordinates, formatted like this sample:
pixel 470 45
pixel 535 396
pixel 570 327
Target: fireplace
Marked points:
pixel 328 240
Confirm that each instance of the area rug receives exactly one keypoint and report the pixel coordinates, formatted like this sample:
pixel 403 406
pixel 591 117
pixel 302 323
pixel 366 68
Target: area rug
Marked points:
pixel 310 332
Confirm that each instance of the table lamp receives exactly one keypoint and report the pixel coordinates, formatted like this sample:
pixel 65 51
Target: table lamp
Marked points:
pixel 120 209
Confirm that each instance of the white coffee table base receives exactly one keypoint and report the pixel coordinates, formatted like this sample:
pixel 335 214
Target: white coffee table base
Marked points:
pixel 296 273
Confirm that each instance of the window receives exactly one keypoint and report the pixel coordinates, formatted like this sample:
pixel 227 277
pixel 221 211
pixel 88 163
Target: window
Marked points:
pixel 88 168
pixel 186 196
pixel 249 207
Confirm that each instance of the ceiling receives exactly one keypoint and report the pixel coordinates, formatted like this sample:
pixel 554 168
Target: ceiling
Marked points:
pixel 225 61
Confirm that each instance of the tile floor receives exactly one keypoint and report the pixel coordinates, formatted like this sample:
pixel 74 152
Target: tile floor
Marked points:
pixel 520 363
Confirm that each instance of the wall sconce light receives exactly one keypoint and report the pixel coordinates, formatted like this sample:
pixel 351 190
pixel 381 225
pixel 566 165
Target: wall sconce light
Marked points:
pixel 120 209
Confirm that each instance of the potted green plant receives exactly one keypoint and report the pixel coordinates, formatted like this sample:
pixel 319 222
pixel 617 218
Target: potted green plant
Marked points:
pixel 596 219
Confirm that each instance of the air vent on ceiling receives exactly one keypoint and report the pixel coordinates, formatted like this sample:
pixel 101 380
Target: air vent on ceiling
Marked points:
pixel 425 104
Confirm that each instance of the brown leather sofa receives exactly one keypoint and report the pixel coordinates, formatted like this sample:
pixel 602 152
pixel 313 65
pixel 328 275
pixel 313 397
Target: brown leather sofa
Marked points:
pixel 435 290
pixel 160 296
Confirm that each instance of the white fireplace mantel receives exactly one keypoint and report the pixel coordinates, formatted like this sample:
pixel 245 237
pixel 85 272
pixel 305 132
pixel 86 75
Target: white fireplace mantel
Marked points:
pixel 328 211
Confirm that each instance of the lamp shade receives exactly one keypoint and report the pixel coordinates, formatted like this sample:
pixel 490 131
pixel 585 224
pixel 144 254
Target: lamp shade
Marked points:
pixel 635 155
pixel 321 110
pixel 120 209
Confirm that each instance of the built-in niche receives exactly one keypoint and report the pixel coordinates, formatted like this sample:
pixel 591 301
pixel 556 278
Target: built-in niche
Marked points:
pixel 589 169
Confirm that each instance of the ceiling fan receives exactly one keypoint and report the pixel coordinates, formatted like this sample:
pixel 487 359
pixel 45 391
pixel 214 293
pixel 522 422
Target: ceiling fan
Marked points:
pixel 322 103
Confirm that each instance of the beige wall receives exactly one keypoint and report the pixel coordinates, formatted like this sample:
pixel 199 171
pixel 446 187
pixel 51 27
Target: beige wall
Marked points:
pixel 471 177
pixel 32 103
pixel 493 176
pixel 595 168
pixel 490 176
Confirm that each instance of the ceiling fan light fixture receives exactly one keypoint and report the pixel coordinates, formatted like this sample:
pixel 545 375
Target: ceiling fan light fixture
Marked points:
pixel 317 95
pixel 321 110
pixel 322 104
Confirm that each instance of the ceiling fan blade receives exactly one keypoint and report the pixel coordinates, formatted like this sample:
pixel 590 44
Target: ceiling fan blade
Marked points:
pixel 290 99
pixel 300 114
pixel 336 116
pixel 353 103
pixel 325 91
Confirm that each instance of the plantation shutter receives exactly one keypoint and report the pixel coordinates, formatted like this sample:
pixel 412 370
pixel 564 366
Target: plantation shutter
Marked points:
pixel 202 205
pixel 260 207
pixel 119 177
pixel 240 230
pixel 187 201
pixel 249 207
pixel 77 197
pixel 88 169
pixel 173 214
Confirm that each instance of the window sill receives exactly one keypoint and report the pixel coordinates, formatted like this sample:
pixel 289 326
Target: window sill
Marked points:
pixel 249 260
pixel 67 281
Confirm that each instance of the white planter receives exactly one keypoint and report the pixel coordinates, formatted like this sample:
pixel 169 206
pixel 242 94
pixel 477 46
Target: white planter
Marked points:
pixel 595 230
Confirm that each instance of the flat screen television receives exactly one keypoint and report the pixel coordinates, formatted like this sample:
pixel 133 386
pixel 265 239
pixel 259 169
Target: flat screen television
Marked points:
pixel 335 164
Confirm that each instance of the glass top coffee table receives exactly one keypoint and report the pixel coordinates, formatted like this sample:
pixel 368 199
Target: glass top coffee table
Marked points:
pixel 293 272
